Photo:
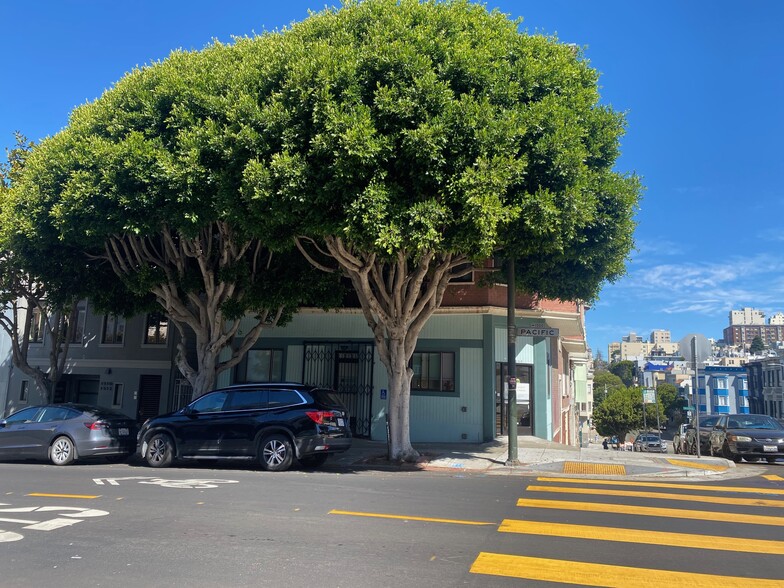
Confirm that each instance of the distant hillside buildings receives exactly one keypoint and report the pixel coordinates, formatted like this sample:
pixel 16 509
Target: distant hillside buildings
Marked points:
pixel 730 379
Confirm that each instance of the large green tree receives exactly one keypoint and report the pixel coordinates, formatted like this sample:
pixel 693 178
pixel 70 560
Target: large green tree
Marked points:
pixel 605 383
pixel 402 140
pixel 620 413
pixel 145 182
pixel 624 370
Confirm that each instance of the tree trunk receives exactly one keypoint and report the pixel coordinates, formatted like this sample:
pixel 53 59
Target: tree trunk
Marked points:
pixel 399 374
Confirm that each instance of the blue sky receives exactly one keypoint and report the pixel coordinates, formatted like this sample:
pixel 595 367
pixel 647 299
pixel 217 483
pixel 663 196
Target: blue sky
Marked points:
pixel 702 83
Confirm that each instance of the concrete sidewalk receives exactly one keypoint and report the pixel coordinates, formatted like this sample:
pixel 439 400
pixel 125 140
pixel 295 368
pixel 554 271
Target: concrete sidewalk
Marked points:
pixel 536 456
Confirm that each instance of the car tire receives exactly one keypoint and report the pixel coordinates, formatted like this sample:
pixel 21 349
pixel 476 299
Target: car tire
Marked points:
pixel 275 453
pixel 160 451
pixel 727 453
pixel 752 459
pixel 62 451
pixel 313 461
pixel 771 459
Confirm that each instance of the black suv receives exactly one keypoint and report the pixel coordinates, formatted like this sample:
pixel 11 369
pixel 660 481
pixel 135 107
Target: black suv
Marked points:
pixel 272 423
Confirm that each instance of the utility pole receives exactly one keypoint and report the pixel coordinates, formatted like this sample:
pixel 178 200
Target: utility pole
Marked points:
pixel 511 363
pixel 696 393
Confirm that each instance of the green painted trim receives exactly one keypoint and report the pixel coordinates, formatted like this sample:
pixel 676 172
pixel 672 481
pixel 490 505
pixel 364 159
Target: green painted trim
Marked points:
pixel 488 380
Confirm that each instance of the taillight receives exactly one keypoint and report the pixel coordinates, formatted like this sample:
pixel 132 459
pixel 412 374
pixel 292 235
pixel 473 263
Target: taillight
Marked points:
pixel 96 426
pixel 318 416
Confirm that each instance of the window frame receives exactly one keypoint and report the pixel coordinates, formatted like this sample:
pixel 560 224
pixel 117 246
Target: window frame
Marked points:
pixel 37 331
pixel 77 336
pixel 274 353
pixel 24 392
pixel 441 391
pixel 155 320
pixel 118 391
pixel 118 322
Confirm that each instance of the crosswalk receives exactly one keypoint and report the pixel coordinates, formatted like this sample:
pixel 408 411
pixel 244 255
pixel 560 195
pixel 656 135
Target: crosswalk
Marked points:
pixel 666 524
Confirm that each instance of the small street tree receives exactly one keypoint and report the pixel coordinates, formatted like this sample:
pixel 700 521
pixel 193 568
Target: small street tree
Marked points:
pixel 30 312
pixel 402 140
pixel 757 345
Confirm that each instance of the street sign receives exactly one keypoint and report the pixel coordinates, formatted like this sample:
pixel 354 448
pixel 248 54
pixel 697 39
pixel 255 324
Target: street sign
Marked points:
pixel 537 332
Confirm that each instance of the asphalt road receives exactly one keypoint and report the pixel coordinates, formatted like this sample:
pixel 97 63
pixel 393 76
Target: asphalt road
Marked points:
pixel 119 525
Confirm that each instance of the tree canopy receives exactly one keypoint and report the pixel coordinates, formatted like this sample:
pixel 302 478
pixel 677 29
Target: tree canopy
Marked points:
pixel 145 183
pixel 393 142
pixel 410 138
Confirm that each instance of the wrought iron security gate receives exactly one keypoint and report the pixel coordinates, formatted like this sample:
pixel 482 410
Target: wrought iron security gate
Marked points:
pixel 347 368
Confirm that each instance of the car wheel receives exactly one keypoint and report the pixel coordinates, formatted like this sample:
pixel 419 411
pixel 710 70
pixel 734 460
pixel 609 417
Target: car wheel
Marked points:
pixel 727 454
pixel 752 459
pixel 62 452
pixel 160 451
pixel 771 459
pixel 313 461
pixel 275 453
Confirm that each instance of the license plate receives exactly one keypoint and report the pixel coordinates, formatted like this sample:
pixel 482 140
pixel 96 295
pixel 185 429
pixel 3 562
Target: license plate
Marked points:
pixel 124 432
pixel 341 422
pixel 769 448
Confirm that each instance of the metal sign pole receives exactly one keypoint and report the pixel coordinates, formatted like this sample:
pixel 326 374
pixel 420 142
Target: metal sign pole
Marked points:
pixel 511 361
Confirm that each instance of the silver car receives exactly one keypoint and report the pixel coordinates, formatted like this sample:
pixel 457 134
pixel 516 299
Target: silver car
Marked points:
pixel 650 443
pixel 62 433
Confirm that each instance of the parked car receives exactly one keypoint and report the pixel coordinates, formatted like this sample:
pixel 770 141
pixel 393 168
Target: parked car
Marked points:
pixel 272 423
pixel 650 442
pixel 706 426
pixel 679 439
pixel 748 436
pixel 63 433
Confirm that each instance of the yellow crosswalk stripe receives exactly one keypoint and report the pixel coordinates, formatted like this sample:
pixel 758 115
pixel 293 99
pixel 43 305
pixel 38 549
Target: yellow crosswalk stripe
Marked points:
pixel 675 486
pixel 652 511
pixel 678 540
pixel 660 496
pixel 773 478
pixel 378 515
pixel 591 574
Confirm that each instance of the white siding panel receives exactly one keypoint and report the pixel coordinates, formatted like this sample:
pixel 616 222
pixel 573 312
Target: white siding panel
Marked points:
pixel 524 347
pixel 453 326
pixel 319 326
pixel 294 362
pixel 441 419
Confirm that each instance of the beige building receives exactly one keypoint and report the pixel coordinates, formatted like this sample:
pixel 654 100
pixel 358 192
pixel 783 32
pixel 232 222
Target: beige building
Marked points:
pixel 747 316
pixel 632 346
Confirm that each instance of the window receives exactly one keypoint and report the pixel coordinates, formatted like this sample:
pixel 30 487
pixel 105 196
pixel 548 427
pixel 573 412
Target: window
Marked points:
pixel 433 371
pixel 743 401
pixel 264 365
pixel 23 391
pixel 720 382
pixel 721 400
pixel 118 395
pixel 36 326
pixel 157 329
pixel 113 330
pixel 210 402
pixel 280 398
pixel 247 399
pixel 78 329
pixel 467 278
pixel 23 416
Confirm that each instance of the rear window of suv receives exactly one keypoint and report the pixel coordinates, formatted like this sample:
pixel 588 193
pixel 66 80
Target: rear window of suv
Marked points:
pixel 326 397
pixel 278 398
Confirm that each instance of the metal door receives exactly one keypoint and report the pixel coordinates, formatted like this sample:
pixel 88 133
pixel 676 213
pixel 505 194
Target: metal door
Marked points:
pixel 346 368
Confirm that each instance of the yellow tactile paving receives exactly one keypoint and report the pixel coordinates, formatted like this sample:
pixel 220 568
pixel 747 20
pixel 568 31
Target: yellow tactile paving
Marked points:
pixel 597 469
pixel 697 465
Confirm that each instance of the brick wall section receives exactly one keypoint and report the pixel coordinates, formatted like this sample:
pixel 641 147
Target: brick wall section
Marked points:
pixel 472 295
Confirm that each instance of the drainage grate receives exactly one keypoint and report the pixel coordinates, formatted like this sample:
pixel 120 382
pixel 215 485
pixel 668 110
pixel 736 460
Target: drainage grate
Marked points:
pixel 577 467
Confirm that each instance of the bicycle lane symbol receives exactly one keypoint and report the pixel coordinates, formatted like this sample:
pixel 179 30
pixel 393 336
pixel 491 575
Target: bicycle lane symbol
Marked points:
pixel 65 516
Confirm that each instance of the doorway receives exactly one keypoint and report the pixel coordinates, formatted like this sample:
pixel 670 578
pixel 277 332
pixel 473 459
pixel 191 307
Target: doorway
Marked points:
pixel 525 398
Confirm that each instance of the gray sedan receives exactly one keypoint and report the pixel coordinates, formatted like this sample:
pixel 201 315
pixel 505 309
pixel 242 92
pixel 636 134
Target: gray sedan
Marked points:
pixel 748 436
pixel 63 433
